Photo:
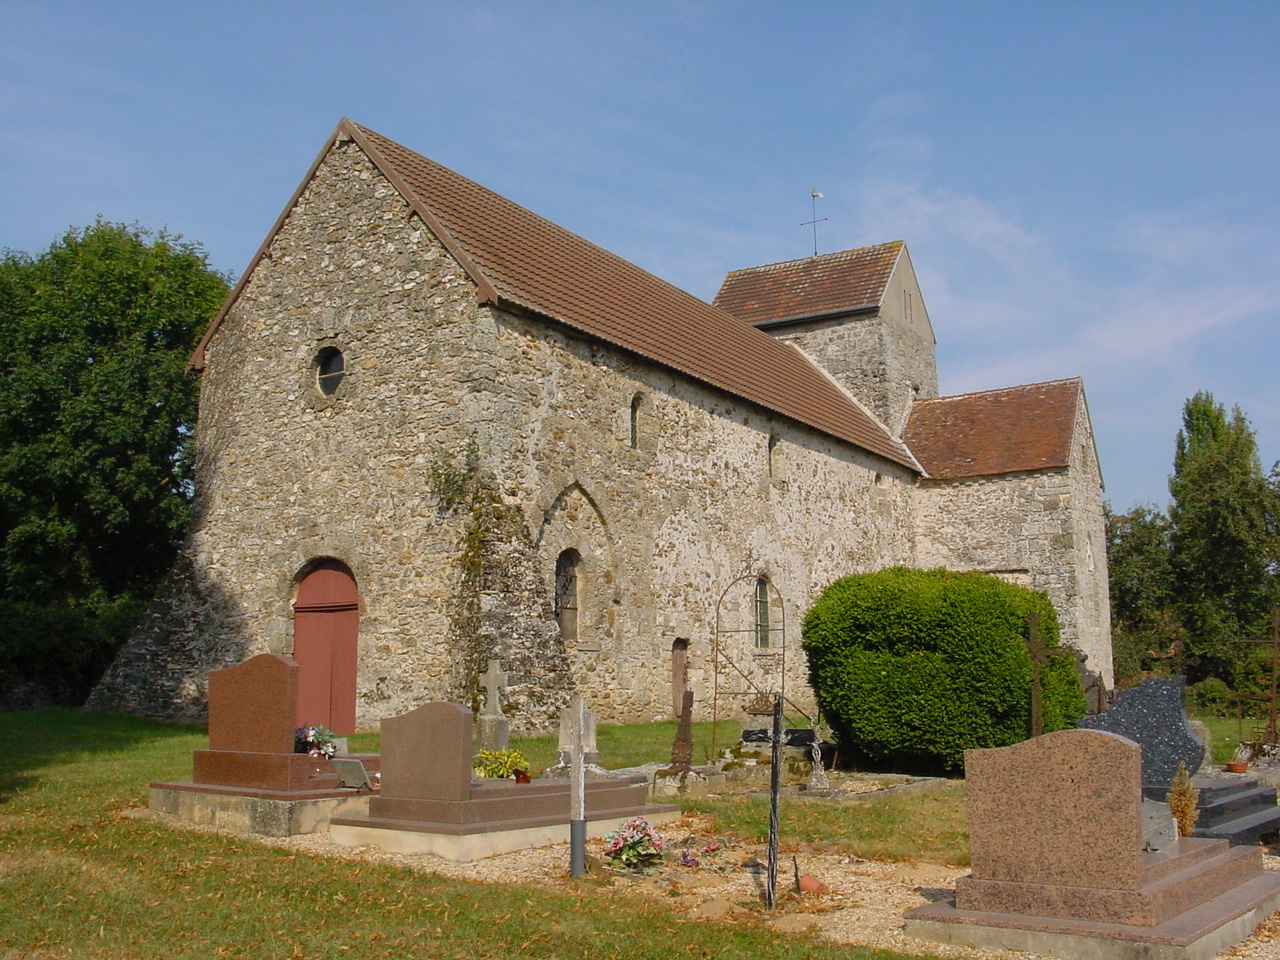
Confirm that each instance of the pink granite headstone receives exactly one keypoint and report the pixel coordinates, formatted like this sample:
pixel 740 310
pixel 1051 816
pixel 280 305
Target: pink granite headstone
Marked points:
pixel 1064 809
pixel 426 753
pixel 251 705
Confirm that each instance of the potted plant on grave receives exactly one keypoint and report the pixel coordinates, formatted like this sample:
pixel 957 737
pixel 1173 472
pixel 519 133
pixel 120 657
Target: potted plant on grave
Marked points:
pixel 316 741
pixel 502 765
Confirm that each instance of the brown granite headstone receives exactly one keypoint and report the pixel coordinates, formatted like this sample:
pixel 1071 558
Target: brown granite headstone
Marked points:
pixel 426 753
pixel 251 705
pixel 1062 809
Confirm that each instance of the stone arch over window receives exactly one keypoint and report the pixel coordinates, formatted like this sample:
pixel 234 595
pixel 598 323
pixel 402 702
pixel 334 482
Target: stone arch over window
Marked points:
pixel 326 629
pixel 567 593
pixel 574 528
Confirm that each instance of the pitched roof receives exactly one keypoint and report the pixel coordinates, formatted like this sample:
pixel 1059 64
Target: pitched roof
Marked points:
pixel 519 260
pixel 995 431
pixel 815 286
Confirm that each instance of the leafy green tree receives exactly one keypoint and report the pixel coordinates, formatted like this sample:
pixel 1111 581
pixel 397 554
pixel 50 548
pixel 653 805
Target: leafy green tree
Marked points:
pixel 1223 543
pixel 1145 619
pixel 96 412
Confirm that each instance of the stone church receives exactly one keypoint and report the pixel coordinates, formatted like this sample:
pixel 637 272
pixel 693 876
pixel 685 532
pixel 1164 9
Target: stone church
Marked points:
pixel 436 429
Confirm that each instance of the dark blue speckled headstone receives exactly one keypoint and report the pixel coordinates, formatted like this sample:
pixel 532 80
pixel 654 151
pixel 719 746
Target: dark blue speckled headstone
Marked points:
pixel 1153 716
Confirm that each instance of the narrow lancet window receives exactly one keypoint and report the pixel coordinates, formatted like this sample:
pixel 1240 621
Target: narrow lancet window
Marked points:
pixel 567 595
pixel 762 614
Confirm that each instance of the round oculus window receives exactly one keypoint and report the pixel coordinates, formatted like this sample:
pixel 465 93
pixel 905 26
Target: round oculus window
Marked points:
pixel 330 369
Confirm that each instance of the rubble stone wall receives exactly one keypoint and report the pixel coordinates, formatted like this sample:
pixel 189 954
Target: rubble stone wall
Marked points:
pixel 465 449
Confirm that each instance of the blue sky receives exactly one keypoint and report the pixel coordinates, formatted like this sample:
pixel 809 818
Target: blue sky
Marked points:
pixel 1086 189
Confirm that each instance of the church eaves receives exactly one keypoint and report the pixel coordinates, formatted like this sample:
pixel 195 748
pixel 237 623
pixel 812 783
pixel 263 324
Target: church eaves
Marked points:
pixel 521 261
pixel 995 432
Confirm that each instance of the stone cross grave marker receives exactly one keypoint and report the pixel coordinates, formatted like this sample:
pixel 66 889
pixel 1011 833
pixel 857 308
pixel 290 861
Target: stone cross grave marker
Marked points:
pixel 492 729
pixel 493 680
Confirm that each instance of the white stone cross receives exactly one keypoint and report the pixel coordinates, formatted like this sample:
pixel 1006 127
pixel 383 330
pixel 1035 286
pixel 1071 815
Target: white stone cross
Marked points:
pixel 493 680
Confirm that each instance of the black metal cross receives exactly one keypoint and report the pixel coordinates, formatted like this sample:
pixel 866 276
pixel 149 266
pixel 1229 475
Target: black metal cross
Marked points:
pixel 1040 654
pixel 1273 735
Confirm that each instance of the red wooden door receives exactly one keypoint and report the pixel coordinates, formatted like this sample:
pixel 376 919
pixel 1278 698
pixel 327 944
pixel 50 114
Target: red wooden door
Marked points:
pixel 326 624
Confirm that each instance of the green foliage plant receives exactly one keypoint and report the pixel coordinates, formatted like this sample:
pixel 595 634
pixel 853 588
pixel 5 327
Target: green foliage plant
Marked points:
pixel 97 414
pixel 499 764
pixel 914 667
pixel 1211 696
pixel 1223 542
pixel 53 653
pixel 97 410
pixel 450 475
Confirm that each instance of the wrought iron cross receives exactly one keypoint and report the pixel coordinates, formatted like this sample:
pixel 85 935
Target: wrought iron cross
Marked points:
pixel 1040 654
pixel 1274 640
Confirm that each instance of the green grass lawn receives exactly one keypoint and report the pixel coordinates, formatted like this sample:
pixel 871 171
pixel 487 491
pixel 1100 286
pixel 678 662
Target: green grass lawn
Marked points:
pixel 1226 735
pixel 78 879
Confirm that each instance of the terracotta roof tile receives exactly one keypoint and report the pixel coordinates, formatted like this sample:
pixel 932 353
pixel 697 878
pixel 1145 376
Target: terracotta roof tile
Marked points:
pixel 523 260
pixel 995 431
pixel 814 286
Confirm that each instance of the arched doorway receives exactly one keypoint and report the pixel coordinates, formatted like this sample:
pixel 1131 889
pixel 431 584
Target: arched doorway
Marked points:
pixel 326 623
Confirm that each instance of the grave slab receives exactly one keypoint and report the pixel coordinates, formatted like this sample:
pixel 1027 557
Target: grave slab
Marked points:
pixel 429 802
pixel 1058 865
pixel 250 779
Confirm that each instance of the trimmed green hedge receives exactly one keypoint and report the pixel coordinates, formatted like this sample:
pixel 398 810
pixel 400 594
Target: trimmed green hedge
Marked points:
pixel 917 666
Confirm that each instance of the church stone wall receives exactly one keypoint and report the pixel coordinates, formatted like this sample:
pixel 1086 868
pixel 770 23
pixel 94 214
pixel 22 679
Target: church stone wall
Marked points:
pixel 1042 530
pixel 465 449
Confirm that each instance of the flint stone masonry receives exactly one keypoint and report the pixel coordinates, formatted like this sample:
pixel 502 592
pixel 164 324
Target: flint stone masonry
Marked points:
pixel 1153 716
pixel 467 447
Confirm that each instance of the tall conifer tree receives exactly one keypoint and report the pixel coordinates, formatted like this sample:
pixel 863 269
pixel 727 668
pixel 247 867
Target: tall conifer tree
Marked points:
pixel 1222 542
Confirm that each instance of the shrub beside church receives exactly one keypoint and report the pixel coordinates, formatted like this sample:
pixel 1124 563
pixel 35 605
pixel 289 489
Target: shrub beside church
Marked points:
pixel 917 666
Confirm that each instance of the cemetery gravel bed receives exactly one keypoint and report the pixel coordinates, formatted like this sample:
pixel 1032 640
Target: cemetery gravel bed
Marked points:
pixel 862 905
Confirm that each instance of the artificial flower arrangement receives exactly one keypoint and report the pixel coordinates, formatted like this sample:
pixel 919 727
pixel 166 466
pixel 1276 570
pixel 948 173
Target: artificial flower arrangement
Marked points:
pixel 316 741
pixel 634 845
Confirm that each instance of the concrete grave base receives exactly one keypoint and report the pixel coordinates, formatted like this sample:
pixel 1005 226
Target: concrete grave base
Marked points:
pixel 481 842
pixel 1197 934
pixel 264 812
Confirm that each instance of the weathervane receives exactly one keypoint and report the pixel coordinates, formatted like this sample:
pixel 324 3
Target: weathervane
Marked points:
pixel 813 199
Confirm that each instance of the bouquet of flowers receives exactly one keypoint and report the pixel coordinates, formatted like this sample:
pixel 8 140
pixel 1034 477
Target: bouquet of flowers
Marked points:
pixel 316 741
pixel 634 845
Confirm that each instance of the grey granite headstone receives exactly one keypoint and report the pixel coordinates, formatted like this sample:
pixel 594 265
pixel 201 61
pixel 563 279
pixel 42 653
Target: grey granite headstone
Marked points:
pixel 1153 716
